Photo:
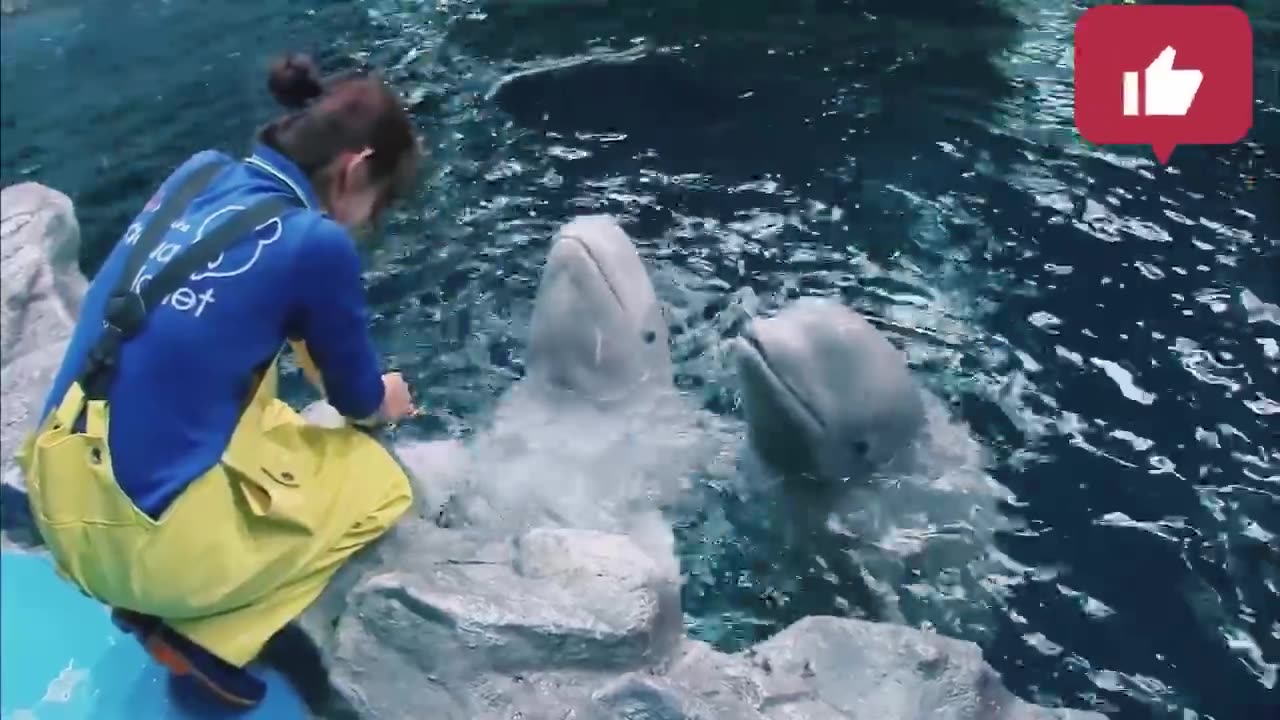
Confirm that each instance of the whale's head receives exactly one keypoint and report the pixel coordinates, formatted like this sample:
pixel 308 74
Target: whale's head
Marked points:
pixel 825 394
pixel 598 330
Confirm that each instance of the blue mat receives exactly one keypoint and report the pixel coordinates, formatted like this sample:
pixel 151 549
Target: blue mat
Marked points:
pixel 63 659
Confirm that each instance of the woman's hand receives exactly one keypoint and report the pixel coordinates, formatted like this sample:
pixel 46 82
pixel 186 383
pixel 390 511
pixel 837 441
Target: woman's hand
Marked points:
pixel 397 404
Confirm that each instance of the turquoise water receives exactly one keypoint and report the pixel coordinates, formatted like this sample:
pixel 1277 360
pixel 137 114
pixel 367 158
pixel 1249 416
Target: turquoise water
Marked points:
pixel 1093 319
pixel 65 660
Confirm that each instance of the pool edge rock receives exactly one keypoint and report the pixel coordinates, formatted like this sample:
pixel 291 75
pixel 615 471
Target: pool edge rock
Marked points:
pixel 41 287
pixel 476 636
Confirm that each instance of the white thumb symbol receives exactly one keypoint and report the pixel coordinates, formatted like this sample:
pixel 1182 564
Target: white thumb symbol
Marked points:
pixel 1169 91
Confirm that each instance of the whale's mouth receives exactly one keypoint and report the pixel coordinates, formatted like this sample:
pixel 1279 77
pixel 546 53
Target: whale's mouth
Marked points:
pixel 795 401
pixel 599 267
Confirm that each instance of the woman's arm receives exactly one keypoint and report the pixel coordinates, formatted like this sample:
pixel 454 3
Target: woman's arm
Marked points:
pixel 332 321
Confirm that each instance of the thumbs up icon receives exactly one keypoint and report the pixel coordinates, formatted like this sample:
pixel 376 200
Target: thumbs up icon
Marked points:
pixel 1129 90
pixel 1169 91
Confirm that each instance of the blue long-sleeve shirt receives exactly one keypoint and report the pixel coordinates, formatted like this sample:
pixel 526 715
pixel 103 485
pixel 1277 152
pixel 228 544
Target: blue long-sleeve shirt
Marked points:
pixel 182 382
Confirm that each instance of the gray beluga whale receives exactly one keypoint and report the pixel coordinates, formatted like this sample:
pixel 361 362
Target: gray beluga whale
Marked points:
pixel 902 489
pixel 825 393
pixel 598 330
pixel 595 435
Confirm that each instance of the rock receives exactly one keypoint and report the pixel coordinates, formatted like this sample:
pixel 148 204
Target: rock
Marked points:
pixel 40 296
pixel 827 668
pixel 486 626
pixel 868 670
pixel 580 624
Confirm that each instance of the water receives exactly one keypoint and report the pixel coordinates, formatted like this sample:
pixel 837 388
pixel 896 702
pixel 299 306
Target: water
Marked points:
pixel 1093 319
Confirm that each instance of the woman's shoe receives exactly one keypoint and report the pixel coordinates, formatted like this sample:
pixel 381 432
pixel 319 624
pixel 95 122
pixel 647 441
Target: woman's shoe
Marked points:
pixel 134 623
pixel 182 657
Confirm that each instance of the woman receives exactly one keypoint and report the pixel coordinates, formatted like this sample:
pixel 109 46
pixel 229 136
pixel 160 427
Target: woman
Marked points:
pixel 166 478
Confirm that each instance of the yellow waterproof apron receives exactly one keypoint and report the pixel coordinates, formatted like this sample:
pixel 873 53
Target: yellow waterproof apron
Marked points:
pixel 245 548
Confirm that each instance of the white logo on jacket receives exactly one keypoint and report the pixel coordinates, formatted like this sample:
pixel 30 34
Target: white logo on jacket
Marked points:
pixel 215 267
pixel 184 299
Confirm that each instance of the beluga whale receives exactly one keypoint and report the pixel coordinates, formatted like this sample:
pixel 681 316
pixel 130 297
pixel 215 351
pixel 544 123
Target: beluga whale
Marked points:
pixel 595 435
pixel 598 333
pixel 863 463
pixel 825 394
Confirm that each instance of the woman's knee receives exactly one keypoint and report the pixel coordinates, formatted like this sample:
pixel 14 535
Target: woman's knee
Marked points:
pixel 394 497
pixel 397 501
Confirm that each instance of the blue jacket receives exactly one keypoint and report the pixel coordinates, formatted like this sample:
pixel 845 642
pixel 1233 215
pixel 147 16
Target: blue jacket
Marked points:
pixel 182 382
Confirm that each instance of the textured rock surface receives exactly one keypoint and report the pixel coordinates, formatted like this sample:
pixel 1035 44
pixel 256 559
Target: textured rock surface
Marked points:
pixel 481 626
pixel 577 624
pixel 551 623
pixel 40 288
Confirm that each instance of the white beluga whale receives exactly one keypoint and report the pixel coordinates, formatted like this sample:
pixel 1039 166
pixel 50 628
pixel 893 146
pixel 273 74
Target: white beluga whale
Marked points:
pixel 598 332
pixel 825 393
pixel 893 482
pixel 595 435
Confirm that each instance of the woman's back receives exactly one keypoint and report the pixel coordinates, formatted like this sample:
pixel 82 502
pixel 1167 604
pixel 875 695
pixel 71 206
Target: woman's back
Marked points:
pixel 182 381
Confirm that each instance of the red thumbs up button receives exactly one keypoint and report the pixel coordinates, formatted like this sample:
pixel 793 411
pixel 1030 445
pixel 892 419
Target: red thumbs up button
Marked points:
pixel 1163 75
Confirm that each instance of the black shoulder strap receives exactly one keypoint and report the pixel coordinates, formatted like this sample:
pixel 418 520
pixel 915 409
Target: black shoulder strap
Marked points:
pixel 127 310
pixel 199 254
pixel 172 205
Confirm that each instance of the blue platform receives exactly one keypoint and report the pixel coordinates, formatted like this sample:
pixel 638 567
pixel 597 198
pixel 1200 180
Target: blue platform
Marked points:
pixel 61 658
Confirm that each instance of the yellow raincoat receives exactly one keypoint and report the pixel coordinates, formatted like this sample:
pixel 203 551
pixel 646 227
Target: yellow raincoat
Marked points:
pixel 244 549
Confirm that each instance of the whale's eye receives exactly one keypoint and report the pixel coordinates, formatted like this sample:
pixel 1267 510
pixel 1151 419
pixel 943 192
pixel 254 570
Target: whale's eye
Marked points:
pixel 649 336
pixel 860 448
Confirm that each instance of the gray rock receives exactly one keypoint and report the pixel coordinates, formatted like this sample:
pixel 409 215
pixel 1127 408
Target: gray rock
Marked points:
pixel 40 291
pixel 486 626
pixel 580 624
pixel 868 671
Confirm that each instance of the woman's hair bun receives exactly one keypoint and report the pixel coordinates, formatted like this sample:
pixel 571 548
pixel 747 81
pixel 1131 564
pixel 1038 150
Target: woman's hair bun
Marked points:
pixel 294 81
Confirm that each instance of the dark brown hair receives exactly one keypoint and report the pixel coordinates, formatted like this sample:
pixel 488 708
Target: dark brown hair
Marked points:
pixel 348 113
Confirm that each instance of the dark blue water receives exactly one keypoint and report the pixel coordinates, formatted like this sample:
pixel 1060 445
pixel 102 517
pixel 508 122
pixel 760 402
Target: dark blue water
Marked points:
pixel 1091 317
